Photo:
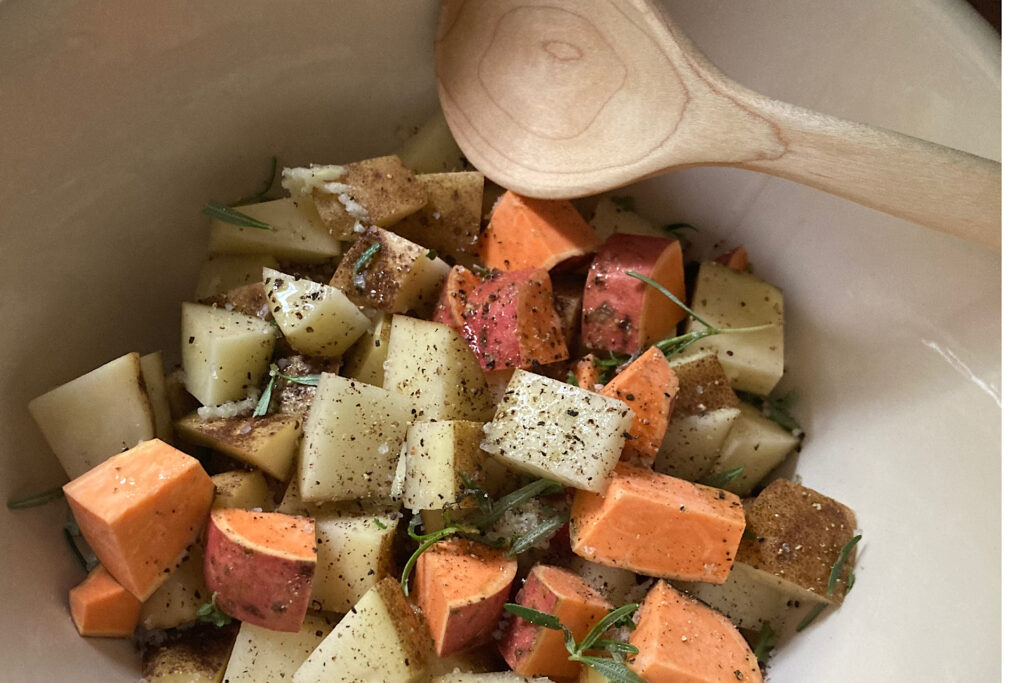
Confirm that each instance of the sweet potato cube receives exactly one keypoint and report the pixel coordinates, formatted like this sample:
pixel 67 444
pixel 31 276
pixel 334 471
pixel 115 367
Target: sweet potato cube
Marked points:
pixel 534 233
pixel 450 220
pixel 532 650
pixel 682 640
pixel 461 586
pixel 267 442
pixel 454 297
pixel 622 313
pixel 649 387
pixel 510 321
pixel 139 510
pixel 586 372
pixel 260 565
pixel 100 606
pixel 657 525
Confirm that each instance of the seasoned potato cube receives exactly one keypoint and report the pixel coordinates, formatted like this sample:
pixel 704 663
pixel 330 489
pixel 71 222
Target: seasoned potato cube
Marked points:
pixel 430 363
pixel 364 361
pixel 436 453
pixel 756 444
pixel 250 299
pixel 390 273
pixel 292 504
pixel 450 220
pixel 241 489
pixel 727 299
pixel 152 365
pixel 268 442
pixel 615 585
pixel 610 218
pixel 380 639
pixel 298 233
pixel 95 416
pixel 221 274
pixel 353 553
pixel 555 430
pixel 354 433
pixel 224 353
pixel 262 655
pixel 176 600
pixel 317 320
pixel 432 149
pixel 196 655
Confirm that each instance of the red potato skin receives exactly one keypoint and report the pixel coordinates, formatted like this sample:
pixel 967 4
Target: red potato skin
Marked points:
pixel 451 303
pixel 736 259
pixel 258 588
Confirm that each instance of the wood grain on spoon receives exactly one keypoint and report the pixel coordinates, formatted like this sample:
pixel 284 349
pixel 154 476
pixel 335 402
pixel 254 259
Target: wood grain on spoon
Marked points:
pixel 567 98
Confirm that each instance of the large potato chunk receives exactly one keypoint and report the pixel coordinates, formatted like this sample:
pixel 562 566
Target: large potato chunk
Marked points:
pixel 152 365
pixel 224 353
pixel 265 442
pixel 353 553
pixel 432 149
pixel 380 639
pixel 727 299
pixel 298 234
pixel 555 430
pixel 354 434
pixel 437 452
pixel 221 274
pixel 262 655
pixel 434 366
pixel 196 655
pixel 756 444
pixel 364 361
pixel 96 415
pixel 450 220
pixel 317 320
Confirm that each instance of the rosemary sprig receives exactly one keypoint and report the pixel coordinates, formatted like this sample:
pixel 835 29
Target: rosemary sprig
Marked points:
pixel 227 214
pixel 765 642
pixel 775 409
pixel 811 616
pixel 538 534
pixel 35 500
pixel 268 185
pixel 676 227
pixel 211 613
pixel 364 259
pixel 833 580
pixel 720 479
pixel 570 378
pixel 380 525
pixel 263 404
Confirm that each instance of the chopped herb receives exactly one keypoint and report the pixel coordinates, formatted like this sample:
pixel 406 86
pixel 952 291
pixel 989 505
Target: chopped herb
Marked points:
pixel 538 534
pixel 210 613
pixel 480 496
pixel 226 214
pixel 849 582
pixel 765 642
pixel 308 380
pixel 617 672
pixel 70 538
pixel 720 479
pixel 676 227
pixel 570 378
pixel 431 254
pixel 365 258
pixel 380 524
pixel 35 500
pixel 268 185
pixel 624 202
pixel 749 535
pixel 837 568
pixel 775 409
pixel 811 616
pixel 263 405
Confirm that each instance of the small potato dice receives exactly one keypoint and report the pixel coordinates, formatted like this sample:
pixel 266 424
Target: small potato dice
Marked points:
pixel 555 430
pixel 450 220
pixel 298 234
pixel 224 353
pixel 432 148
pixel 241 489
pixel 221 274
pixel 265 442
pixel 317 320
pixel 194 655
pixel 176 600
pixel 364 361
pixel 756 444
pixel 610 218
pixel 354 552
pixel 437 453
pixel 152 365
pixel 262 655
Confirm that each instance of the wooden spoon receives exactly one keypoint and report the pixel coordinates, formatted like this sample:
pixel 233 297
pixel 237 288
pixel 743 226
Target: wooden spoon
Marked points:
pixel 568 98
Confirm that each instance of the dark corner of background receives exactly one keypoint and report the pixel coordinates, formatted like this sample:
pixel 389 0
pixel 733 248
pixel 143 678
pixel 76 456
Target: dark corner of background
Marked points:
pixel 991 11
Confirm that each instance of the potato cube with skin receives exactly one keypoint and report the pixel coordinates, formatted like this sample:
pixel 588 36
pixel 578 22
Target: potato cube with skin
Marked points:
pixel 152 365
pixel 195 655
pixel 224 353
pixel 614 584
pixel 221 274
pixel 389 273
pixel 437 454
pixel 297 233
pixel 728 299
pixel 555 430
pixel 178 598
pixel 250 299
pixel 364 361
pixel 610 218
pixel 381 638
pixel 432 148
pixel 268 442
pixel 241 489
pixel 354 552
pixel 317 320
pixel 450 220
pixel 432 365
pixel 353 437
pixel 95 416
pixel 262 655
pixel 756 444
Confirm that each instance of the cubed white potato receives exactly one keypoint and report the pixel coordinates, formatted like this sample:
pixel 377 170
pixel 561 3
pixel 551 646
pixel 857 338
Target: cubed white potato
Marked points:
pixel 615 585
pixel 432 148
pixel 353 553
pixel 380 639
pixel 221 274
pixel 298 234
pixel 152 365
pixel 261 655
pixel 268 442
pixel 728 299
pixel 434 366
pixel 610 218
pixel 224 353
pixel 316 319
pixel 693 443
pixel 353 435
pixel 292 504
pixel 436 454
pixel 97 415
pixel 450 221
pixel 555 430
pixel 589 675
pixel 176 600
pixel 195 655
pixel 756 444
pixel 364 361
pixel 241 489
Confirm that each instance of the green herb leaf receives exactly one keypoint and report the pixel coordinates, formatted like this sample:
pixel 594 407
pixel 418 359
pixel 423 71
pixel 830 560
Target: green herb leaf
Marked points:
pixel 540 487
pixel 775 409
pixel 811 616
pixel 837 568
pixel 380 524
pixel 849 582
pixel 538 534
pixel 210 613
pixel 308 380
pixel 675 227
pixel 570 378
pixel 534 616
pixel 625 202
pixel 720 479
pixel 614 646
pixel 227 214
pixel 364 260
pixel 70 538
pixel 431 254
pixel 616 672
pixel 263 405
pixel 268 185
pixel 35 500
pixel 480 496
pixel 613 618
pixel 765 642
pixel 749 535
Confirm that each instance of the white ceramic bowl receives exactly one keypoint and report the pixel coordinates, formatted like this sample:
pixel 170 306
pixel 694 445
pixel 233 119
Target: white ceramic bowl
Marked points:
pixel 119 119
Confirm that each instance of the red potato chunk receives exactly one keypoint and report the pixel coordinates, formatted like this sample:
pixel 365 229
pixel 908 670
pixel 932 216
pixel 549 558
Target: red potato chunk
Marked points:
pixel 451 303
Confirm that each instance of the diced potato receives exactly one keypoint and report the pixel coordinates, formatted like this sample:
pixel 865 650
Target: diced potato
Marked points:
pixel 180 401
pixel 693 442
pixel 450 220
pixel 434 366
pixel 221 274
pixel 294 398
pixel 437 452
pixel 614 584
pixel 354 434
pixel 432 149
pixel 589 675
pixel 261 655
pixel 224 353
pixel 610 218
pixel 380 639
pixel 152 365
pixel 250 299
pixel 95 416
pixel 353 553
pixel 292 504
pixel 317 320
pixel 364 361
pixel 399 276
pixel 728 299
pixel 756 444
pixel 298 234
pixel 268 443
pixel 176 600
pixel 196 655
pixel 241 489
pixel 555 430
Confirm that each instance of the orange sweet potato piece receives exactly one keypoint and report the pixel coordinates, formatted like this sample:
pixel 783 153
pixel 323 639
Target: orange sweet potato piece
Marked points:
pixel 260 565
pixel 683 641
pixel 461 586
pixel 532 650
pixel 620 312
pixel 534 233
pixel 649 386
pixel 139 510
pixel 100 606
pixel 658 525
pixel 587 373
pixel 736 259
pixel 451 303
